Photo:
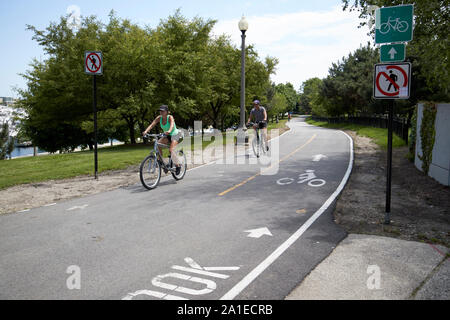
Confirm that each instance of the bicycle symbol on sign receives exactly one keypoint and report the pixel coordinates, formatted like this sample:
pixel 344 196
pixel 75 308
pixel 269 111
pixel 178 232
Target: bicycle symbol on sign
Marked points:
pixel 309 176
pixel 400 26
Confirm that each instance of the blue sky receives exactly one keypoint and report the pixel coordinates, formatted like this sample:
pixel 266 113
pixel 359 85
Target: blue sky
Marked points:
pixel 306 36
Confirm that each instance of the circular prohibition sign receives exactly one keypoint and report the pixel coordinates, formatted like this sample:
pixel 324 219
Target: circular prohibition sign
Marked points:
pixel 392 94
pixel 97 68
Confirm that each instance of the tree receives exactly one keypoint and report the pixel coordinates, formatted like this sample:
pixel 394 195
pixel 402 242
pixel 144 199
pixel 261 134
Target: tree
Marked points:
pixel 292 98
pixel 178 63
pixel 58 95
pixel 349 84
pixel 309 92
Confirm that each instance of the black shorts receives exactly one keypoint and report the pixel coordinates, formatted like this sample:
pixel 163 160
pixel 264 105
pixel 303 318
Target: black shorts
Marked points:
pixel 262 125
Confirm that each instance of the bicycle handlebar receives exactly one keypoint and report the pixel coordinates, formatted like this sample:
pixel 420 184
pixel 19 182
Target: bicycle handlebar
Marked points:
pixel 257 122
pixel 159 135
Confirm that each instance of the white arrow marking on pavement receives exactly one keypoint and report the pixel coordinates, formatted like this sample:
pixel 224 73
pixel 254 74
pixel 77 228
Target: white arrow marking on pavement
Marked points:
pixel 78 207
pixel 392 52
pixel 319 157
pixel 258 233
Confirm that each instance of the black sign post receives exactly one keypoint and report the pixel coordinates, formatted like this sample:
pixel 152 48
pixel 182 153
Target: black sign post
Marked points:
pixel 387 218
pixel 391 81
pixel 93 64
pixel 94 79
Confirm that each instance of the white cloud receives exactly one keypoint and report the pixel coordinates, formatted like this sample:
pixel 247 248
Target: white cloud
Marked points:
pixel 74 12
pixel 306 43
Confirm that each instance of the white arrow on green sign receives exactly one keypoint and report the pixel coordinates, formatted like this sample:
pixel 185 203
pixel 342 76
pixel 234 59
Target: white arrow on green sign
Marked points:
pixel 392 52
pixel 394 24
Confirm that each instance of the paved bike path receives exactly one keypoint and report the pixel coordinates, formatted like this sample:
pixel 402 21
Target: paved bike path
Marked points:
pixel 129 239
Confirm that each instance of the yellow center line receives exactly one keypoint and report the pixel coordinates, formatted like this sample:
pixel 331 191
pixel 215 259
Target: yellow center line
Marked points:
pixel 253 177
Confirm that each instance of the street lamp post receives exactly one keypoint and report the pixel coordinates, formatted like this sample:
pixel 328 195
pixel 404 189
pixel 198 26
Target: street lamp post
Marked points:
pixel 243 26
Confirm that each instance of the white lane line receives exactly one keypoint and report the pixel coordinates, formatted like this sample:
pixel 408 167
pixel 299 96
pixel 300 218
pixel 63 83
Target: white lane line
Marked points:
pixel 203 165
pixel 77 207
pixel 26 210
pixel 50 204
pixel 240 286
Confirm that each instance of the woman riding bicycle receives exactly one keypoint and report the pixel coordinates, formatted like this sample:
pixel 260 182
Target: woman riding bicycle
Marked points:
pixel 173 135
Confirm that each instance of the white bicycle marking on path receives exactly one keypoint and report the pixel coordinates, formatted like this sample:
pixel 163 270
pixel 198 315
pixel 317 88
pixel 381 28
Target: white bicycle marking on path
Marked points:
pixel 309 176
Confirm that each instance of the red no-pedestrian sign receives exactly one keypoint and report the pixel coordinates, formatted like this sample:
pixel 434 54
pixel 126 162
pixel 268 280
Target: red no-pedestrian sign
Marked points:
pixel 392 81
pixel 93 62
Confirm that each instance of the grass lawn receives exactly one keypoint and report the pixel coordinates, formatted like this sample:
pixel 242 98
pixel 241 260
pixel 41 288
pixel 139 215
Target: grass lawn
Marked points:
pixel 60 166
pixel 379 135
pixel 279 125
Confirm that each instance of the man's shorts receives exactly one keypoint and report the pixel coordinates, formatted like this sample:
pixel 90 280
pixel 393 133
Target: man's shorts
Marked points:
pixel 262 125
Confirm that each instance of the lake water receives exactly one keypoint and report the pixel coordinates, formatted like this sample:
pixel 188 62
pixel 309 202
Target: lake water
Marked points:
pixel 28 151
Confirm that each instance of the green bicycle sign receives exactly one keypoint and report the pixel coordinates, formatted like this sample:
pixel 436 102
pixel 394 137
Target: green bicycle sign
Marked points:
pixel 394 24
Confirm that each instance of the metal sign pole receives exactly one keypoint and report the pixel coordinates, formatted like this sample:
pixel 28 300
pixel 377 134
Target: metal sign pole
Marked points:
pixel 387 219
pixel 95 125
pixel 93 65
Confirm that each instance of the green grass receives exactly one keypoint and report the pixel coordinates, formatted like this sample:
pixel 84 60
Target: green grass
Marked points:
pixel 279 125
pixel 60 166
pixel 379 135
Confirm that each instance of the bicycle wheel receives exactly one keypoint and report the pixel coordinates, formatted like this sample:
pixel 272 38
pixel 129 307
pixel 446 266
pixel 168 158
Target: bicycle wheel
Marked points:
pixel 384 28
pixel 182 161
pixel 150 172
pixel 263 144
pixel 256 145
pixel 402 26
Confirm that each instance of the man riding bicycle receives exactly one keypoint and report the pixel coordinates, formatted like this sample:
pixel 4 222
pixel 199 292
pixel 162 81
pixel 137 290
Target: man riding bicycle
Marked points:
pixel 173 135
pixel 259 116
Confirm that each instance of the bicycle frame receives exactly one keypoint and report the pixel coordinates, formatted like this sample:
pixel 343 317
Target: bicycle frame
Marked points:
pixel 158 154
pixel 257 129
pixel 390 22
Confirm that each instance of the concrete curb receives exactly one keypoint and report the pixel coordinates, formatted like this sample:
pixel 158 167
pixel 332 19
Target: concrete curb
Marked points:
pixel 367 267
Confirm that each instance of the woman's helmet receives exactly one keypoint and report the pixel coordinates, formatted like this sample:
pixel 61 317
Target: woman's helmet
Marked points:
pixel 164 108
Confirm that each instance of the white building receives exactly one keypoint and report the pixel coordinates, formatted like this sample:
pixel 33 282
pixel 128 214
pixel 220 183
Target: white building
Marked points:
pixel 8 114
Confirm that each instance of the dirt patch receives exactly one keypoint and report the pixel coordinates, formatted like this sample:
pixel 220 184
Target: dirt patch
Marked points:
pixel 420 206
pixel 34 195
pixel 28 196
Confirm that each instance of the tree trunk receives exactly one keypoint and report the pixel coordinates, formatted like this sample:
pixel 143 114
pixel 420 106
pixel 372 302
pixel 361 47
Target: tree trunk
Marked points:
pixel 222 124
pixel 132 137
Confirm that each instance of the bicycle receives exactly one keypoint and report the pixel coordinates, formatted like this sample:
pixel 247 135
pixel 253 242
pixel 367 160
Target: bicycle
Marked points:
pixel 400 26
pixel 259 142
pixel 151 166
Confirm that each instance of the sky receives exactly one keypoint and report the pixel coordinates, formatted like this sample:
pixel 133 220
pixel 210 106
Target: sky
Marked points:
pixel 306 36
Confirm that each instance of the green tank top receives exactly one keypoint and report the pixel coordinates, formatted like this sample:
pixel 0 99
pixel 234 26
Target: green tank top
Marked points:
pixel 166 127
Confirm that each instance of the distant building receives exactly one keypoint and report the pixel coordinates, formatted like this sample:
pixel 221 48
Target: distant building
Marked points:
pixel 6 101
